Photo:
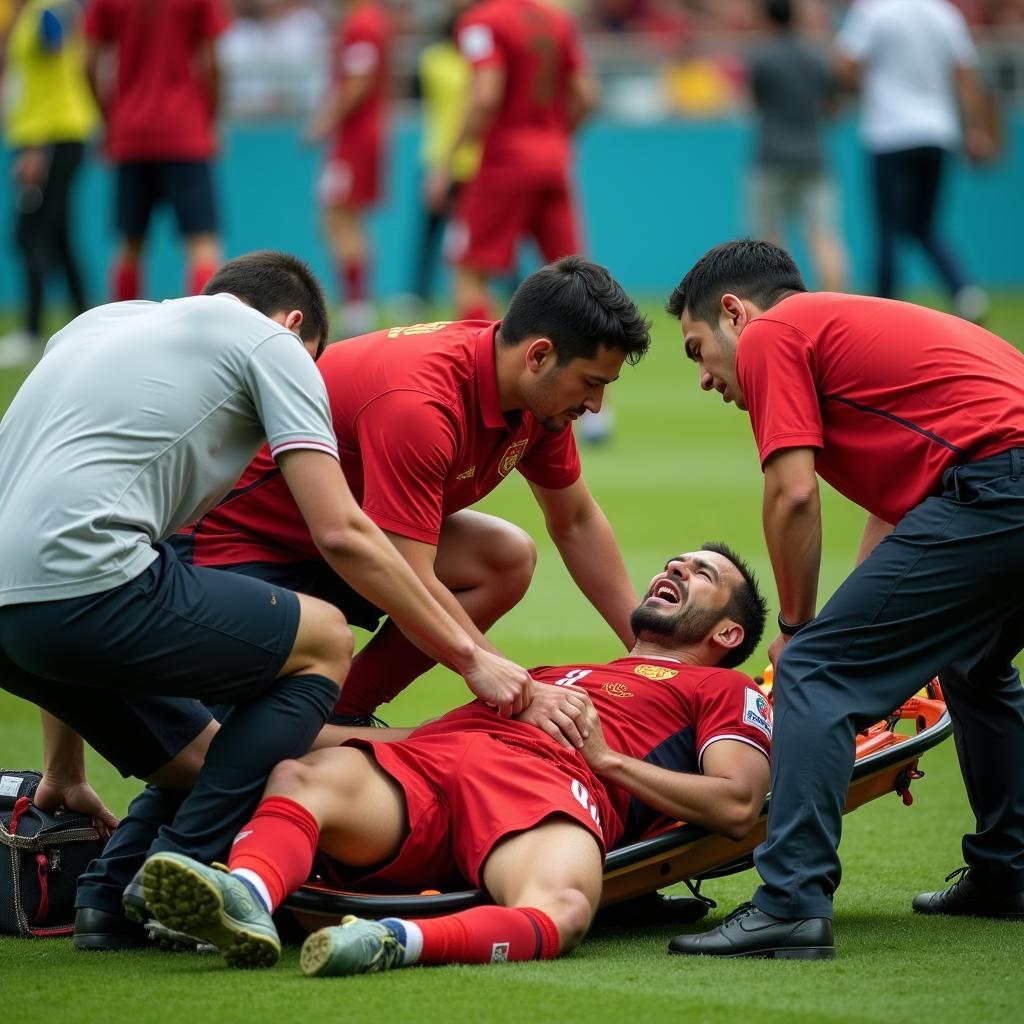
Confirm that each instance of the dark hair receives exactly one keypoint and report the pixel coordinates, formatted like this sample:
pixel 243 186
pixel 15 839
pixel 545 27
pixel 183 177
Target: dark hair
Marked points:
pixel 758 271
pixel 270 282
pixel 746 606
pixel 779 12
pixel 580 307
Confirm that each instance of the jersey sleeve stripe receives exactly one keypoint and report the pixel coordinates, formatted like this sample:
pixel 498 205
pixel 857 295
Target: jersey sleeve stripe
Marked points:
pixel 728 736
pixel 319 446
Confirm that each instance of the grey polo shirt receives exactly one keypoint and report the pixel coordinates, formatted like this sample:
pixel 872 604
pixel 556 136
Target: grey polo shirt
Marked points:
pixel 138 419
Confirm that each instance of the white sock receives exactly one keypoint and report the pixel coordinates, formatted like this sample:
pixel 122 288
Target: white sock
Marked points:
pixel 413 938
pixel 258 884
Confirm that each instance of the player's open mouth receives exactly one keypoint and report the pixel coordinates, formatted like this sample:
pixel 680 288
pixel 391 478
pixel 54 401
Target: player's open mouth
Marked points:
pixel 667 592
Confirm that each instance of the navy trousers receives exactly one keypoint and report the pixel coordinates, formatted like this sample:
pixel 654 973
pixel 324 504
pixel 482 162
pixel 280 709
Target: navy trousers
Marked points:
pixel 942 595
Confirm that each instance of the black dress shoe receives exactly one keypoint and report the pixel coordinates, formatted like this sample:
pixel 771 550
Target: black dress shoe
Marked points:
pixel 972 895
pixel 651 910
pixel 748 931
pixel 134 900
pixel 98 930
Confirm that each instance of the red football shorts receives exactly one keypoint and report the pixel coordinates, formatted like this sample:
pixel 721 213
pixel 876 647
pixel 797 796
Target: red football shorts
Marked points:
pixel 466 791
pixel 490 219
pixel 351 178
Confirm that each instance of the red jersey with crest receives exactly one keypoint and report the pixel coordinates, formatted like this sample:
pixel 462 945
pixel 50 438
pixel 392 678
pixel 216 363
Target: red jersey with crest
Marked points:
pixel 653 709
pixel 537 49
pixel 162 108
pixel 891 394
pixel 361 47
pixel 420 435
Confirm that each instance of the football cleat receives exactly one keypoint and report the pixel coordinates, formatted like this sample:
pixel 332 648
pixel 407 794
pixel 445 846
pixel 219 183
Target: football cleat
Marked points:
pixel 212 906
pixel 356 946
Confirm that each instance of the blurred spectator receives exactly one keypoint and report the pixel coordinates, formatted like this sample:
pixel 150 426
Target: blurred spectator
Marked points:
pixel 794 89
pixel 353 118
pixel 160 116
pixel 444 86
pixel 49 115
pixel 274 57
pixel 914 60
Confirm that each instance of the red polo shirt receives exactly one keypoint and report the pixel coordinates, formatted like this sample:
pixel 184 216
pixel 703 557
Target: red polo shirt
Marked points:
pixel 891 394
pixel 420 435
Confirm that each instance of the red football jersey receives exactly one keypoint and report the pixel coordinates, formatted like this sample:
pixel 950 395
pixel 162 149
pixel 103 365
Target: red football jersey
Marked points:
pixel 161 108
pixel 362 47
pixel 537 49
pixel 890 393
pixel 653 709
pixel 420 435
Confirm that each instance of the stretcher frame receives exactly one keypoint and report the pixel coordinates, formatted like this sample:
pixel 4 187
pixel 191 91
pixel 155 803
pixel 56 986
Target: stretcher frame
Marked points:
pixel 886 762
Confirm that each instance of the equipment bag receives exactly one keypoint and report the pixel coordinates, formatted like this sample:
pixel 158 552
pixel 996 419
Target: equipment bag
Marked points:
pixel 41 858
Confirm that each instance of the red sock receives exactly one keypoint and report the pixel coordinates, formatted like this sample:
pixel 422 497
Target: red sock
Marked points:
pixel 278 844
pixel 354 276
pixel 476 312
pixel 381 671
pixel 198 276
pixel 487 935
pixel 125 281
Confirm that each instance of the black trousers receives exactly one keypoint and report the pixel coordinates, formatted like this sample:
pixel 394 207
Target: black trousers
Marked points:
pixel 43 233
pixel 906 185
pixel 940 596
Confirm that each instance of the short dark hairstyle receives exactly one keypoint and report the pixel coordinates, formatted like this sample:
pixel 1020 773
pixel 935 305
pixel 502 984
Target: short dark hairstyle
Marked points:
pixel 758 271
pixel 580 307
pixel 270 282
pixel 746 606
pixel 779 12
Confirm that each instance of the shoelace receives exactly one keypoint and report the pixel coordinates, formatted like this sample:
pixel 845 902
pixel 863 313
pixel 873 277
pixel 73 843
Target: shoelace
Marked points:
pixel 741 911
pixel 390 953
pixel 960 874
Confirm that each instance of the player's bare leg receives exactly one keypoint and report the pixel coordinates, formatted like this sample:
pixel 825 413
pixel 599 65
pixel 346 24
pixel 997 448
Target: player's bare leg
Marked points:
pixel 350 247
pixel 547 882
pixel 487 564
pixel 829 259
pixel 555 868
pixel 204 256
pixel 472 297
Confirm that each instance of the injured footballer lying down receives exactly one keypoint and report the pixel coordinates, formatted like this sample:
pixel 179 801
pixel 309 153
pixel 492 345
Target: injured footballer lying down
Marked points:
pixel 669 732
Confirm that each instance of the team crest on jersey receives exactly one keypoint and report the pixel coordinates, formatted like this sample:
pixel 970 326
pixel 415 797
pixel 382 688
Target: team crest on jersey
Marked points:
pixel 511 457
pixel 656 672
pixel 499 953
pixel 758 712
pixel 617 689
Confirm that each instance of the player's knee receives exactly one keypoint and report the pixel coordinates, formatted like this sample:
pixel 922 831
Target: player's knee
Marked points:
pixel 327 639
pixel 571 912
pixel 511 560
pixel 289 778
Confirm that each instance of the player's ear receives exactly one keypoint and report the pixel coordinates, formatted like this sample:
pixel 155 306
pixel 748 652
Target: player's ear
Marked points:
pixel 727 634
pixel 539 353
pixel 293 320
pixel 734 312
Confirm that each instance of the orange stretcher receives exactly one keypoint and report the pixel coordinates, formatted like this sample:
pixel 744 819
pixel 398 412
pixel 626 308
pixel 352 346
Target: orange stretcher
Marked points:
pixel 886 762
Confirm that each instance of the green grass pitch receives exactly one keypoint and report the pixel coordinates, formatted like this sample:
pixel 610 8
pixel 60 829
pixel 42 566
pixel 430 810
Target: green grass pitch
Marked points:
pixel 680 470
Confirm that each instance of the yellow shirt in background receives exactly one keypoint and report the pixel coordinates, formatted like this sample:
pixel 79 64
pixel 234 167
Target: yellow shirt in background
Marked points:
pixel 46 94
pixel 445 78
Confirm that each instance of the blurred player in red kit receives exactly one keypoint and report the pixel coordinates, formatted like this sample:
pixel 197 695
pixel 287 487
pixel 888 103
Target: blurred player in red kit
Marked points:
pixel 159 112
pixel 352 118
pixel 530 90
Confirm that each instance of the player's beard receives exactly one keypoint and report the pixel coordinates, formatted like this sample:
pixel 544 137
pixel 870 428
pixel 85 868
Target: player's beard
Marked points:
pixel 545 388
pixel 688 626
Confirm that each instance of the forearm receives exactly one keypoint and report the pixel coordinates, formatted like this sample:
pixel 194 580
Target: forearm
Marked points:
pixel 367 560
pixel 63 750
pixel 875 531
pixel 343 101
pixel 792 531
pixel 718 804
pixel 592 556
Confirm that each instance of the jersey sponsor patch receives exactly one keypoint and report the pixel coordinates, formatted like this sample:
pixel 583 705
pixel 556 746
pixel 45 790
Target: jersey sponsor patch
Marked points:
pixel 10 784
pixel 499 953
pixel 476 42
pixel 656 672
pixel 758 713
